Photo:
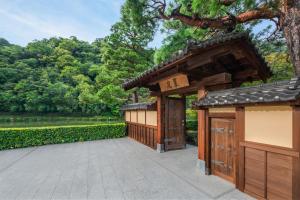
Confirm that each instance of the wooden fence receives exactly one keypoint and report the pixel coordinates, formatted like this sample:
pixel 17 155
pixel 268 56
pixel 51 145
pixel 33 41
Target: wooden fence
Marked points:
pixel 143 133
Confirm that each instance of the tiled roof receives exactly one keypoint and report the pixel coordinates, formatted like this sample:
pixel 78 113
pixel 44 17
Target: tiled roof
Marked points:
pixel 282 91
pixel 196 45
pixel 139 106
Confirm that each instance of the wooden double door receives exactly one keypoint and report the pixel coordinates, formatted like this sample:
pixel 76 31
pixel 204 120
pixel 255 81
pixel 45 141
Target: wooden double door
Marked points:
pixel 174 123
pixel 223 148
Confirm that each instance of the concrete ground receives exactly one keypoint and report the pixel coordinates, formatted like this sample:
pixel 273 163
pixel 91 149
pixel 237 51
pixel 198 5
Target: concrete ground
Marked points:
pixel 107 169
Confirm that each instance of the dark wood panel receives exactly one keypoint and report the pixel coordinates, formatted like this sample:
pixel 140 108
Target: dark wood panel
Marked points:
pixel 142 133
pixel 279 176
pixel 271 148
pixel 174 123
pixel 296 147
pixel 268 172
pixel 201 133
pixel 240 134
pixel 255 172
pixel 160 120
pixel 223 148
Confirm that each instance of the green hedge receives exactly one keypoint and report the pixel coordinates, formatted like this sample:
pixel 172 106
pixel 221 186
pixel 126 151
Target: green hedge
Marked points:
pixel 11 138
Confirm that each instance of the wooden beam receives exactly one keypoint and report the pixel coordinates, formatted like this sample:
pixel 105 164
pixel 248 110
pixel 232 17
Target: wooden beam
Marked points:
pixel 207 150
pixel 252 58
pixel 242 75
pixel 240 150
pixel 206 57
pixel 201 93
pixel 296 147
pixel 160 119
pixel 162 75
pixel 218 79
pixel 219 87
pixel 215 79
pixel 201 133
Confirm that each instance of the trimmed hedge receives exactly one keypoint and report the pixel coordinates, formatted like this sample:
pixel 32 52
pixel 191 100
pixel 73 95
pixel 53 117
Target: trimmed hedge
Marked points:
pixel 11 138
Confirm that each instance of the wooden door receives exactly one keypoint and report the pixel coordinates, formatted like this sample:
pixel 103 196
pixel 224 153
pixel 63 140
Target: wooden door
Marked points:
pixel 223 149
pixel 174 123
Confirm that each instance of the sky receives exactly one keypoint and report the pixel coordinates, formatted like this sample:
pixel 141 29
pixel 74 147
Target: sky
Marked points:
pixel 22 21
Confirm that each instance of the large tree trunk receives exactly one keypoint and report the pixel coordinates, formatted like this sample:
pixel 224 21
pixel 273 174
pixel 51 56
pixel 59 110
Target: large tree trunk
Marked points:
pixel 291 28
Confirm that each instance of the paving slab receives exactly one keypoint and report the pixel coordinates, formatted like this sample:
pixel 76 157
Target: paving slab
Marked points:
pixel 107 169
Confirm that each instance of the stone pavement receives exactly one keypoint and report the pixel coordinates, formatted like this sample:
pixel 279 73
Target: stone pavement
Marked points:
pixel 107 169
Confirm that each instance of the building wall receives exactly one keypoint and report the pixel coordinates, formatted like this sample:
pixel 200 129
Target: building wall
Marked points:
pixel 127 116
pixel 222 110
pixel 269 125
pixel 151 118
pixel 142 117
pixel 133 116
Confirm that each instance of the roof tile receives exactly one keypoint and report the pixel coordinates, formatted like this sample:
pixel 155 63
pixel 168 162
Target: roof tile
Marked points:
pixel 272 92
pixel 191 45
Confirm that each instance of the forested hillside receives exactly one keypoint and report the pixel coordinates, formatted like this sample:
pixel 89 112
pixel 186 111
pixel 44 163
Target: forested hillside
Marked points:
pixel 58 75
pixel 66 75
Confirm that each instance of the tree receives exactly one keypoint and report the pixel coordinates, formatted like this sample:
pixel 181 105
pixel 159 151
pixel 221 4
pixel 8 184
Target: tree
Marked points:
pixel 53 75
pixel 124 52
pixel 228 14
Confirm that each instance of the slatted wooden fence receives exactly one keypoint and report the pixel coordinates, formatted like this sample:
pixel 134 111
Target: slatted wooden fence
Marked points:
pixel 143 133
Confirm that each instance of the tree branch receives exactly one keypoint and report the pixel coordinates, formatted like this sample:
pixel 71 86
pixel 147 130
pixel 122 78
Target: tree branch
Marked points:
pixel 226 2
pixel 224 22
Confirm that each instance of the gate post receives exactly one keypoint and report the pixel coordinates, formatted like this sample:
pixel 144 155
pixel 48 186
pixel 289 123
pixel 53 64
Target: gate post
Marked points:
pixel 160 124
pixel 201 140
pixel 202 115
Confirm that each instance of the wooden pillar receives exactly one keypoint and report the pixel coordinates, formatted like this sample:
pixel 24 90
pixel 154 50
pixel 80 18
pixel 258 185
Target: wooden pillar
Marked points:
pixel 202 129
pixel 160 123
pixel 201 134
pixel 296 147
pixel 240 150
pixel 202 118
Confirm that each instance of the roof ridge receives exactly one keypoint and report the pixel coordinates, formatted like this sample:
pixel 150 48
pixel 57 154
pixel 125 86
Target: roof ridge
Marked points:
pixel 253 86
pixel 279 91
pixel 218 37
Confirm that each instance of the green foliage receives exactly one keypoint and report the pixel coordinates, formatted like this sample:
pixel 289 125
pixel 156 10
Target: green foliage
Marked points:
pixel 192 137
pixel 125 53
pixel 178 33
pixel 192 125
pixel 281 66
pixel 33 120
pixel 191 114
pixel 26 137
pixel 51 75
pixel 66 75
pixel 59 75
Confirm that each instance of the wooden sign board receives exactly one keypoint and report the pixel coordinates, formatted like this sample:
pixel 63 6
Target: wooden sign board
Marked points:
pixel 174 82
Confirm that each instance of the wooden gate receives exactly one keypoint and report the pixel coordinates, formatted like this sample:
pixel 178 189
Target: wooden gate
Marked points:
pixel 223 149
pixel 174 123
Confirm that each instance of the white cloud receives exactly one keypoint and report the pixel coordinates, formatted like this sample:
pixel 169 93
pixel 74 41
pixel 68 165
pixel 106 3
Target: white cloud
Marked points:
pixel 23 21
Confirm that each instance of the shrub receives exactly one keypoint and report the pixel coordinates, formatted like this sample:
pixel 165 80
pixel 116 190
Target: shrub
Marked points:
pixel 192 137
pixel 191 114
pixel 11 138
pixel 192 125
